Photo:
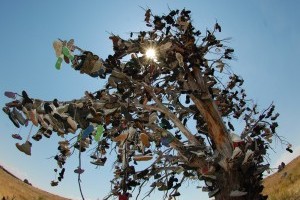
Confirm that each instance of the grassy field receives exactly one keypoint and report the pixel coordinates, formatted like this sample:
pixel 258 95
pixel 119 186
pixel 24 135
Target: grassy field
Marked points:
pixel 284 185
pixel 10 186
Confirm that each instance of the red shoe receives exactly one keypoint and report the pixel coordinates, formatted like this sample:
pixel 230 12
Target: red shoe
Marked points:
pixel 123 197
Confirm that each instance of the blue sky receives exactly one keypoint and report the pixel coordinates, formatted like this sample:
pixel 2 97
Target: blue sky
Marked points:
pixel 265 36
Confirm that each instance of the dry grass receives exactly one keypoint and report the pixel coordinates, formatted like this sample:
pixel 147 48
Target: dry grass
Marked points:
pixel 284 185
pixel 11 186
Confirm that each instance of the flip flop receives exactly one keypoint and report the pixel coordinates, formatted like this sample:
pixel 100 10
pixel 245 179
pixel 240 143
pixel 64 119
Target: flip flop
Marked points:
pixel 67 53
pixel 87 131
pixel 99 133
pixel 58 63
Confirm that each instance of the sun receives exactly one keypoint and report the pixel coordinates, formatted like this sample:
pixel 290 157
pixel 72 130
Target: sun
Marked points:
pixel 151 54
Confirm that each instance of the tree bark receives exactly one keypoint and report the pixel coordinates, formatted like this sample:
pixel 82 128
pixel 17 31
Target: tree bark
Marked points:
pixel 239 178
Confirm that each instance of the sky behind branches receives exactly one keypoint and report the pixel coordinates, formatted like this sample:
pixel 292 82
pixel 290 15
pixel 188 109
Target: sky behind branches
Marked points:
pixel 265 36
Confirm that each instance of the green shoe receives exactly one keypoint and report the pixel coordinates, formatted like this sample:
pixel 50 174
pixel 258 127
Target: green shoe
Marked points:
pixel 58 63
pixel 99 132
pixel 67 53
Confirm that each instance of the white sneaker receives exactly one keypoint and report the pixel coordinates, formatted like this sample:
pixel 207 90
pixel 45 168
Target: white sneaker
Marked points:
pixel 237 193
pixel 237 152
pixel 248 156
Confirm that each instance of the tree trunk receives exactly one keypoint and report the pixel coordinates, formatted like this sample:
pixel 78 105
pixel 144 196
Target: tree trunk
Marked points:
pixel 240 178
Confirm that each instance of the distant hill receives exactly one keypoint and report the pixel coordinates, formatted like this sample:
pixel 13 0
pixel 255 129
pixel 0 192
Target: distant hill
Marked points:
pixel 11 186
pixel 284 185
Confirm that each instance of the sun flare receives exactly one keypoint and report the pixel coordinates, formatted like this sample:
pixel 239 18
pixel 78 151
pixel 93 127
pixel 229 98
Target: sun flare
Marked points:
pixel 151 54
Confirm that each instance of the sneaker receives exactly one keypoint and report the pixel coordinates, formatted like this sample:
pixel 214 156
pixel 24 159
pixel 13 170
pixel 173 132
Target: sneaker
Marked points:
pixel 205 189
pixel 25 147
pixel 54 183
pixel 208 183
pixel 6 110
pixel 12 118
pixel 198 153
pixel 163 188
pixel 145 139
pixel 248 156
pixel 237 193
pixel 179 58
pixel 19 116
pixel 47 133
pixel 237 152
pixel 98 162
pixel 78 170
pixel 236 140
pixel 33 117
pixel 165 47
pixel 37 137
pixel 167 139
pixel 42 122
pixel 176 194
pixel 152 118
pixel 17 136
pixel 123 197
pixel 94 156
pixel 142 157
pixel 260 169
pixel 122 137
pixel 213 192
pixel 72 123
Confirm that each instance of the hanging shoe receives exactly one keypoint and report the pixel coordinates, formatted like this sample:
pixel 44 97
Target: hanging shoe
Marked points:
pixel 99 133
pixel 199 153
pixel 47 133
pixel 17 136
pixel 72 123
pixel 11 116
pixel 19 116
pixel 205 189
pixel 58 63
pixel 33 117
pixel 54 183
pixel 142 157
pixel 98 162
pixel 78 170
pixel 25 147
pixel 237 152
pixel 145 139
pixel 248 156
pixel 57 46
pixel 236 140
pixel 122 137
pixel 123 197
pixel 66 52
pixel 213 192
pixel 237 193
pixel 37 137
pixel 86 132
pixel 179 58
